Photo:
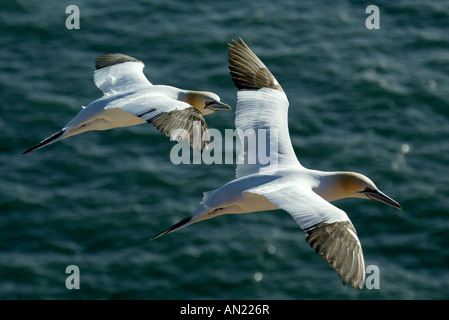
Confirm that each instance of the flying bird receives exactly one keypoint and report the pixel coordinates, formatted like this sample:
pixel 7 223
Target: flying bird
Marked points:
pixel 130 99
pixel 284 183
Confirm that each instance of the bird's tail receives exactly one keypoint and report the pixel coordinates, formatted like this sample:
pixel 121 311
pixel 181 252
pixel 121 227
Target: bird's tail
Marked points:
pixel 181 224
pixel 201 213
pixel 53 138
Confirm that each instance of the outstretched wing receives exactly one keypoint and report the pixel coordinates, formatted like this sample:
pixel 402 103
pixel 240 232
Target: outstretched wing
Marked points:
pixel 261 114
pixel 119 72
pixel 247 70
pixel 329 230
pixel 176 119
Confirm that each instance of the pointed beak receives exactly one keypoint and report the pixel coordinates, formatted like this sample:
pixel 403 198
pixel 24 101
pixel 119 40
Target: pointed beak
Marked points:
pixel 217 106
pixel 380 196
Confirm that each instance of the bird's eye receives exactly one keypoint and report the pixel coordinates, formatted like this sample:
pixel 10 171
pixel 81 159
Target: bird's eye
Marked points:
pixel 208 103
pixel 367 189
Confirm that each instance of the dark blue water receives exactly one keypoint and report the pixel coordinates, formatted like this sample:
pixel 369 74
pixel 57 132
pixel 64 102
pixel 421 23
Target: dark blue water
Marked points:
pixel 371 101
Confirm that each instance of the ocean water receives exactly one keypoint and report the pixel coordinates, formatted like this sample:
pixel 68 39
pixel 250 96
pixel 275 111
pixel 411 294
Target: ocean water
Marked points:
pixel 373 101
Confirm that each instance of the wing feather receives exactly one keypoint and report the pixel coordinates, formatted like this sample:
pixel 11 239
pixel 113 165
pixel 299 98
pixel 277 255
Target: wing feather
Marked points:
pixel 261 114
pixel 119 72
pixel 247 70
pixel 345 255
pixel 262 126
pixel 329 230
pixel 174 118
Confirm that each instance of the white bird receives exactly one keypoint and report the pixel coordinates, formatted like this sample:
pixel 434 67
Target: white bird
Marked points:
pixel 130 99
pixel 305 194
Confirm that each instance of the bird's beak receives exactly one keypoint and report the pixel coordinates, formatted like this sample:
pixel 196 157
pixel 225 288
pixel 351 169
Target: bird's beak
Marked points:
pixel 380 196
pixel 217 106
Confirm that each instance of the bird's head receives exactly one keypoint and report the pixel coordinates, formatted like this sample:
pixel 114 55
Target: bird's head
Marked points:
pixel 357 185
pixel 205 102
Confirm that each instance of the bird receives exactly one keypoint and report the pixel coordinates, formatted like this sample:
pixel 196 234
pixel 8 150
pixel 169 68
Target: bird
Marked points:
pixel 285 183
pixel 129 99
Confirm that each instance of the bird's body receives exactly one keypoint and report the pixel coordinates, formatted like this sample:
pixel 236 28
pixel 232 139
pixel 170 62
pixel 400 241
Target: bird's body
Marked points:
pixel 130 99
pixel 282 182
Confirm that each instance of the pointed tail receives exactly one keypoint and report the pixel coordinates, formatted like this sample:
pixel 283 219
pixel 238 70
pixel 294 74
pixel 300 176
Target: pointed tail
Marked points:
pixel 181 224
pixel 53 138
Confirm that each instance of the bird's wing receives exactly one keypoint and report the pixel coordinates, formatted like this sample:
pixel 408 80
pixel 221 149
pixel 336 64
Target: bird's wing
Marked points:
pixel 261 114
pixel 119 72
pixel 329 230
pixel 175 119
pixel 247 70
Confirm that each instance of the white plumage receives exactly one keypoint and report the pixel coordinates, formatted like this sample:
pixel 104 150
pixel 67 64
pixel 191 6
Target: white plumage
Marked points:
pixel 130 99
pixel 284 183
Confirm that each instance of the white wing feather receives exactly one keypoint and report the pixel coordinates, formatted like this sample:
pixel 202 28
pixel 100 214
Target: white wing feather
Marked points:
pixel 262 124
pixel 329 230
pixel 121 77
pixel 305 206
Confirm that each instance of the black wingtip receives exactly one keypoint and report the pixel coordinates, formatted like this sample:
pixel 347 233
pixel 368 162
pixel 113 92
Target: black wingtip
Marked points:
pixel 110 59
pixel 248 72
pixel 173 228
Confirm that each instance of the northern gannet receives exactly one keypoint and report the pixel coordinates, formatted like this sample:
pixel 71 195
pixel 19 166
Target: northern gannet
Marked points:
pixel 305 194
pixel 130 99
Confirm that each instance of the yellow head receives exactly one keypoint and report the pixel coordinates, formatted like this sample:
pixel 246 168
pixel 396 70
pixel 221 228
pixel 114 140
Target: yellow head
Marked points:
pixel 339 185
pixel 205 102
